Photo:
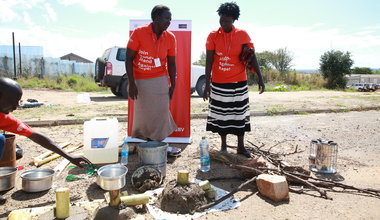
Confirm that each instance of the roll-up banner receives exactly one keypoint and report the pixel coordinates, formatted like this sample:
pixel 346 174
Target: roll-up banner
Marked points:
pixel 180 102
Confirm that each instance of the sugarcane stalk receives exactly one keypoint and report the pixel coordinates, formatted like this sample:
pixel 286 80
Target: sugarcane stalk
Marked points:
pixel 48 153
pixel 19 215
pixel 182 177
pixel 62 207
pixel 138 199
pixel 54 156
pixel 205 185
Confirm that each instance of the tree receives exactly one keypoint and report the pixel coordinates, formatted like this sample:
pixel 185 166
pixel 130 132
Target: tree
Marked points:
pixel 202 60
pixel 362 70
pixel 282 60
pixel 334 65
pixel 264 59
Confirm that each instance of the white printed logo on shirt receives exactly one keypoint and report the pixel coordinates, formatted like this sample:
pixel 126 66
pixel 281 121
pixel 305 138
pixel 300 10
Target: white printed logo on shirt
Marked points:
pixel 20 127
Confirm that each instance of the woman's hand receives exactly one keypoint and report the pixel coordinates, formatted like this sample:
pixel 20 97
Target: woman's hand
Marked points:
pixel 206 92
pixel 132 91
pixel 79 160
pixel 171 91
pixel 261 85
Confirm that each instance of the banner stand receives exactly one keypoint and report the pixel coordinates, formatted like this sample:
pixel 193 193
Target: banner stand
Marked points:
pixel 174 140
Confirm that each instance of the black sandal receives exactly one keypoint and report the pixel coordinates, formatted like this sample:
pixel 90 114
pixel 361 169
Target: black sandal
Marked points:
pixel 245 153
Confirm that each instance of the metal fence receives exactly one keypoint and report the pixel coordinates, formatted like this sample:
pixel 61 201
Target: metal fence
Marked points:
pixel 34 64
pixel 363 79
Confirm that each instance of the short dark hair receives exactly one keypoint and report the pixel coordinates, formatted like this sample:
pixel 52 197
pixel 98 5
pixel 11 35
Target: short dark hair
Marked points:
pixel 230 9
pixel 158 10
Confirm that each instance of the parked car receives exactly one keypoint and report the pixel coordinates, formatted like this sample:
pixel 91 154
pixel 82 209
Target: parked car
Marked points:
pixel 198 79
pixel 368 87
pixel 357 86
pixel 365 87
pixel 110 72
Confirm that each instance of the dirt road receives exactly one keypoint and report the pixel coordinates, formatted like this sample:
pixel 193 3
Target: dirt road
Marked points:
pixel 357 135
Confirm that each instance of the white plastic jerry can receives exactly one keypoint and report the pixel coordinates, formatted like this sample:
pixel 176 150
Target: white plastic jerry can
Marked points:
pixel 100 140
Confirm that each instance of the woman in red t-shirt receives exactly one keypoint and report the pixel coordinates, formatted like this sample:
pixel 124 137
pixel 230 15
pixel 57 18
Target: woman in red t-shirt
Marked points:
pixel 229 51
pixel 150 59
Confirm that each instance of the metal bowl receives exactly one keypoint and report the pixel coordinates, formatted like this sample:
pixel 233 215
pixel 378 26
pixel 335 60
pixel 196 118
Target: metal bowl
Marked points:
pixel 112 177
pixel 37 180
pixel 7 178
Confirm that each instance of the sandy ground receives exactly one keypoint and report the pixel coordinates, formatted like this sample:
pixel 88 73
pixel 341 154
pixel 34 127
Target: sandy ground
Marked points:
pixel 357 135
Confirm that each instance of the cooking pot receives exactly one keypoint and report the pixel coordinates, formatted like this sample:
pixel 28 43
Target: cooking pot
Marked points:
pixel 112 177
pixel 37 180
pixel 7 178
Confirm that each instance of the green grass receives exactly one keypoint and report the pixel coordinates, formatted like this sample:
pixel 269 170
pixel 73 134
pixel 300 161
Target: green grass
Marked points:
pixel 67 83
pixel 340 105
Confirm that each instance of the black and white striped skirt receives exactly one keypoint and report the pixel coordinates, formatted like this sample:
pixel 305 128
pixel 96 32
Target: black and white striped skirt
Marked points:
pixel 229 109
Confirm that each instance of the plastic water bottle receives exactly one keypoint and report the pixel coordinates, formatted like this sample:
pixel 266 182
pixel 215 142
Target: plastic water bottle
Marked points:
pixel 124 153
pixel 204 155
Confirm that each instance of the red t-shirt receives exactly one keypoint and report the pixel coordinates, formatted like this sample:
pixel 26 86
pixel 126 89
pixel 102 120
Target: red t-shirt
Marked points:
pixel 148 47
pixel 10 123
pixel 227 67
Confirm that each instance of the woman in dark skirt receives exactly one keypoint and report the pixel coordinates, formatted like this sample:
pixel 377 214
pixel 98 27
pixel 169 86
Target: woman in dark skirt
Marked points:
pixel 229 51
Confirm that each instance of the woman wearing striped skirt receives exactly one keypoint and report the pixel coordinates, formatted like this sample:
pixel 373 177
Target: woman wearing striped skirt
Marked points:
pixel 228 52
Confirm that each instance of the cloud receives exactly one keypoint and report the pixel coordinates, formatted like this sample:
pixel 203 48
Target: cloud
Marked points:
pixel 56 45
pixel 52 15
pixel 95 6
pixel 7 14
pixel 308 43
pixel 27 19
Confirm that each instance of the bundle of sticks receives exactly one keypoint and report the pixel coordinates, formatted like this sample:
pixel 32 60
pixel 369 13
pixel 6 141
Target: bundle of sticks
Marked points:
pixel 50 155
pixel 296 176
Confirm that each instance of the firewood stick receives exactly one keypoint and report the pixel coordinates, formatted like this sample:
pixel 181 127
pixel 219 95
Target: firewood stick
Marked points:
pixel 54 156
pixel 323 193
pixel 48 153
pixel 209 205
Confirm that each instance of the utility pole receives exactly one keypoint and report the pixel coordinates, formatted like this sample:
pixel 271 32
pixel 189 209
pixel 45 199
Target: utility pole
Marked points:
pixel 14 56
pixel 19 57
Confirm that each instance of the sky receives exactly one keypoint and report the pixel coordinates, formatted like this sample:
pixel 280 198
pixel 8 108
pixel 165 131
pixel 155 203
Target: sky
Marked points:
pixel 306 28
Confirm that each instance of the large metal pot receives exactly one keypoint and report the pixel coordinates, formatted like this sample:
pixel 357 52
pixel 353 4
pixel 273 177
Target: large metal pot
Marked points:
pixel 37 180
pixel 7 178
pixel 112 177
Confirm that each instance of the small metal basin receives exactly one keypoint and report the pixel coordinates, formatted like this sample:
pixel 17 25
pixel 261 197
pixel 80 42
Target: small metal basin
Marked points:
pixel 112 177
pixel 7 178
pixel 37 180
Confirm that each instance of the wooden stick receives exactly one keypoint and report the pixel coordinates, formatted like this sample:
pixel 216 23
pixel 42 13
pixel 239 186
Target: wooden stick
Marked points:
pixel 323 193
pixel 209 205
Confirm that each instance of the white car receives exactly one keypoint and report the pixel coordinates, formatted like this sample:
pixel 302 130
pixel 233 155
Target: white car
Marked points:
pixel 110 72
pixel 198 79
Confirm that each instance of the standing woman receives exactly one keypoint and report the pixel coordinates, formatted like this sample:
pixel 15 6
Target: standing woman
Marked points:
pixel 229 51
pixel 149 61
